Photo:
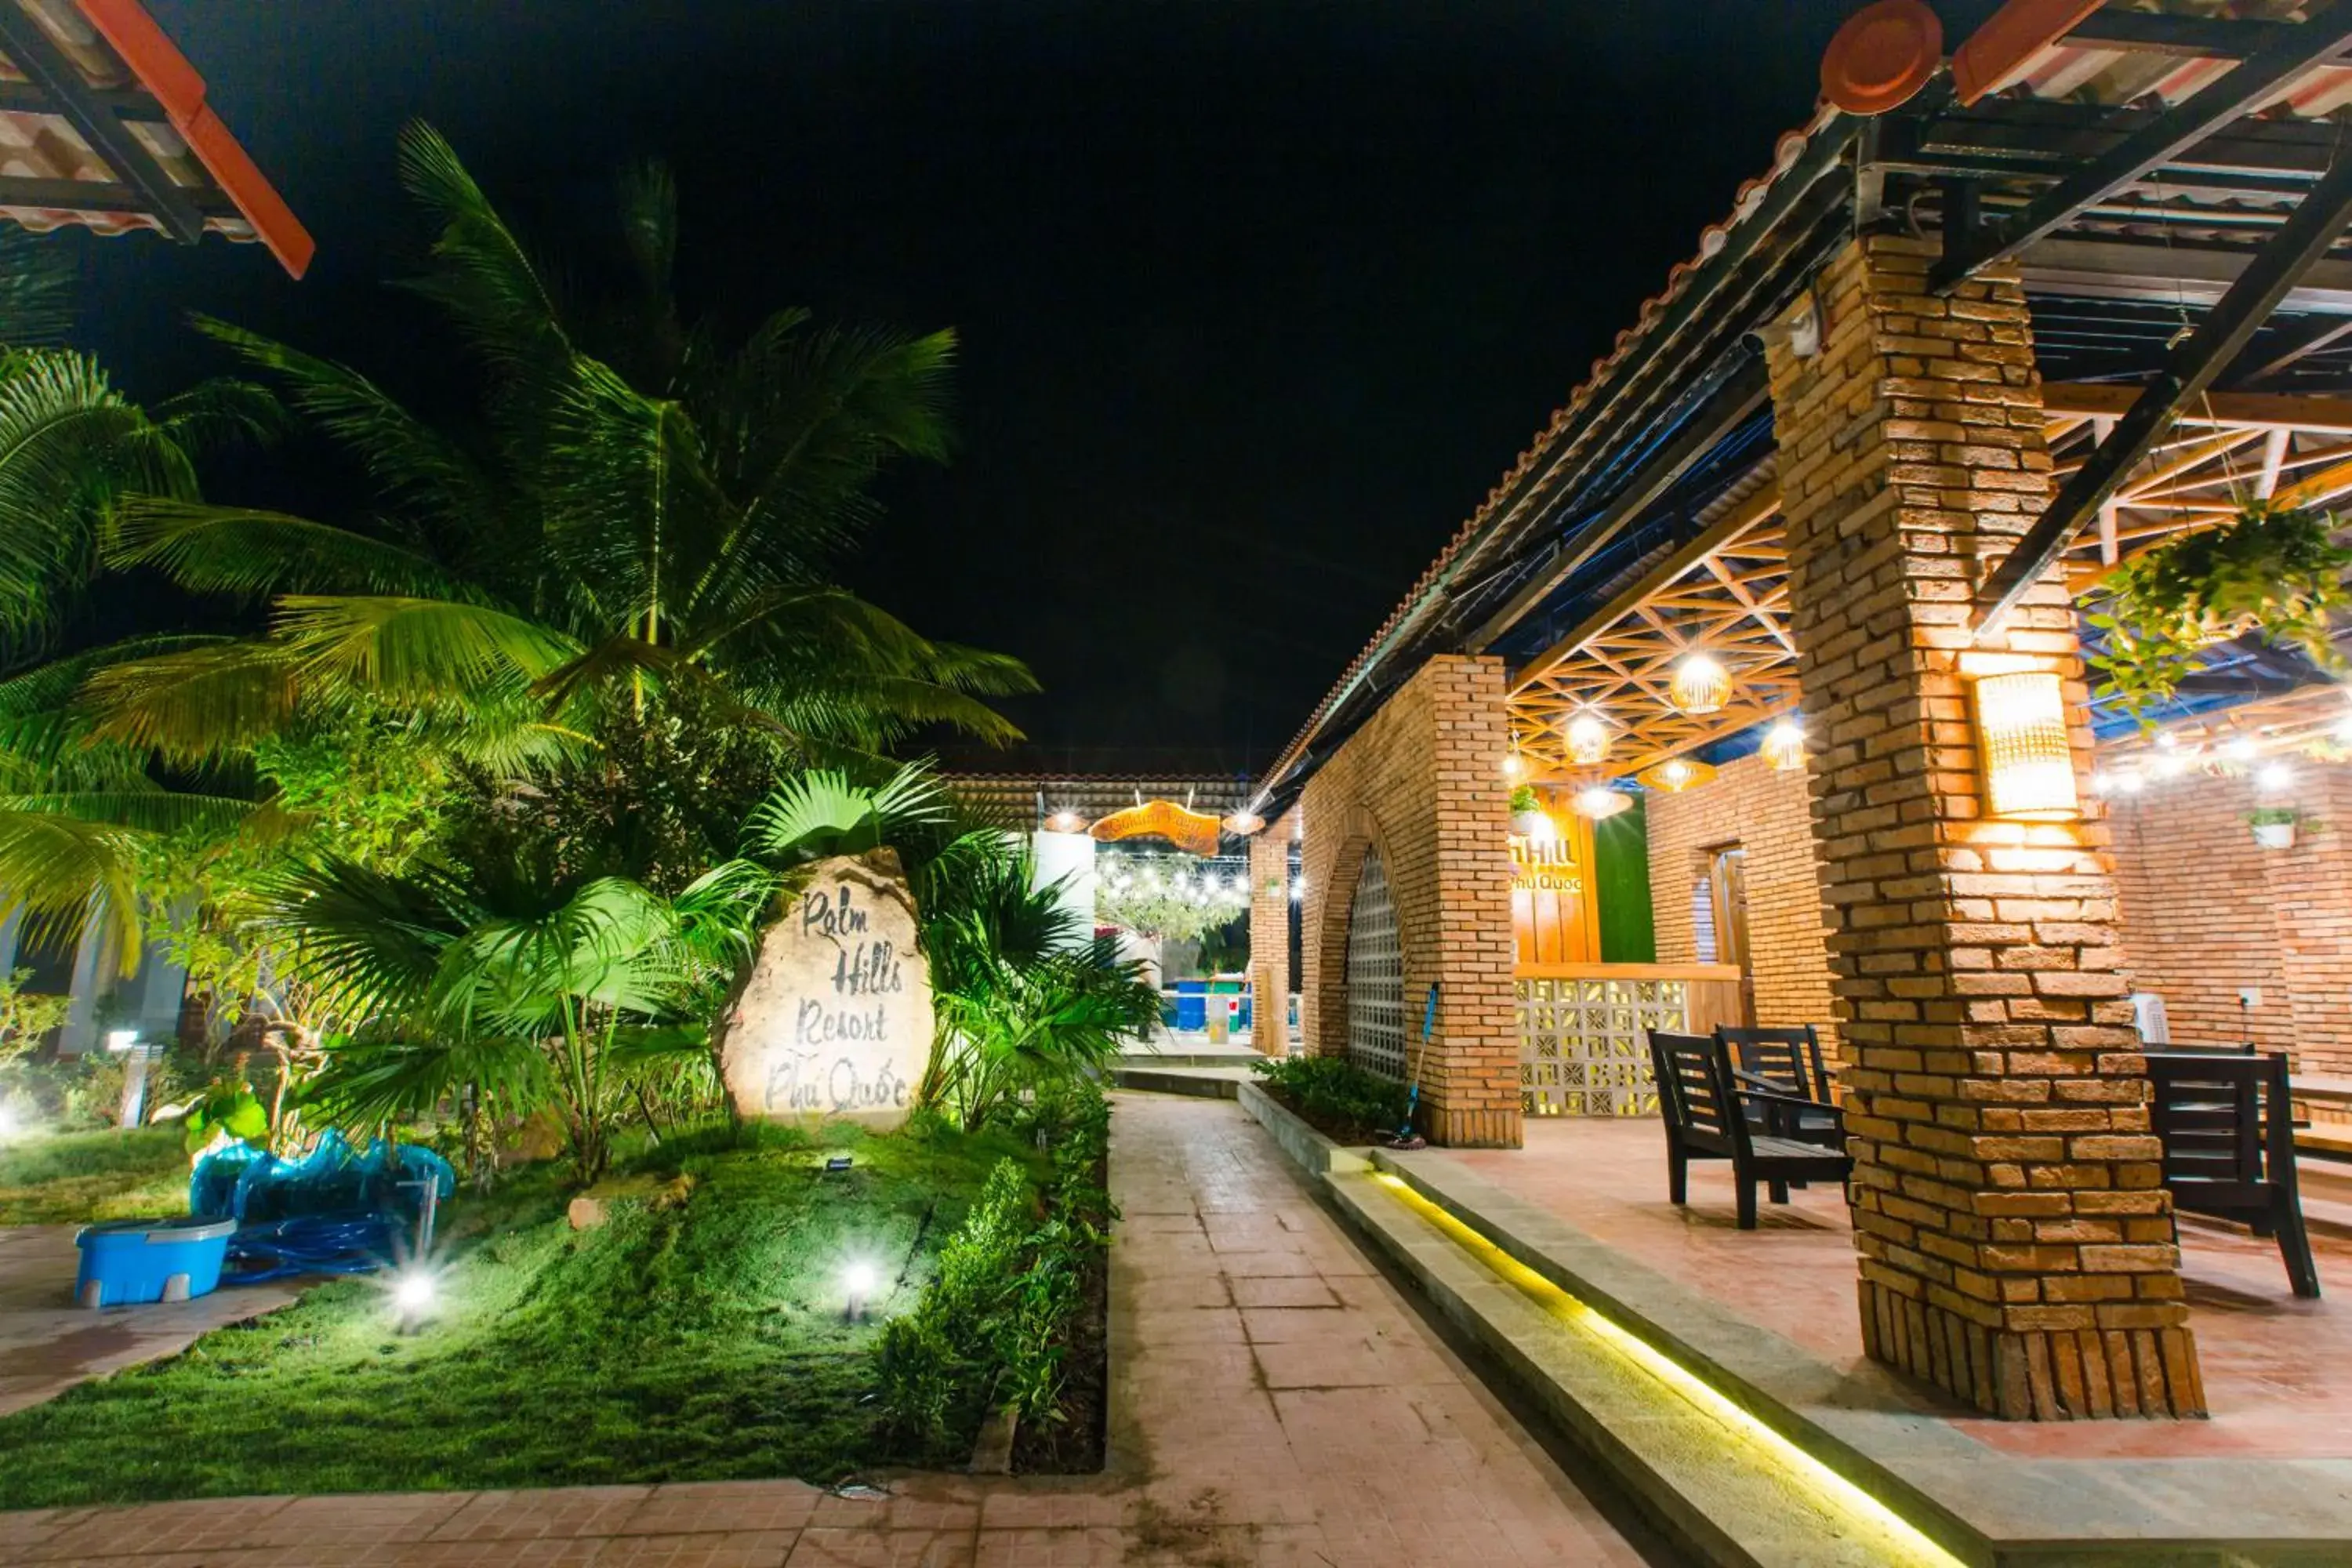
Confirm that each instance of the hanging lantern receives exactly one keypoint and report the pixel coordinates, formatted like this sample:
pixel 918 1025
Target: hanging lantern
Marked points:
pixel 1700 685
pixel 1676 774
pixel 1588 740
pixel 1784 747
pixel 2029 764
pixel 1601 803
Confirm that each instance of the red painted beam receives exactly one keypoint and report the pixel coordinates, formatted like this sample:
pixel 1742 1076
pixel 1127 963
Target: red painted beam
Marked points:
pixel 2014 34
pixel 164 71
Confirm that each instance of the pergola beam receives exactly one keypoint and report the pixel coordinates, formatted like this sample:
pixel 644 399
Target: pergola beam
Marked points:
pixel 61 80
pixel 2192 367
pixel 2262 73
pixel 2245 410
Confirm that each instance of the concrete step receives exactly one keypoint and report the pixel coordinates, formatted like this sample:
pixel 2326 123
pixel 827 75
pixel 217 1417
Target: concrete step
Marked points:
pixel 1207 1083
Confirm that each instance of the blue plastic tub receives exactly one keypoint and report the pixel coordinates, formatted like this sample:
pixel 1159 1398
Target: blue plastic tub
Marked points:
pixel 1191 1004
pixel 129 1260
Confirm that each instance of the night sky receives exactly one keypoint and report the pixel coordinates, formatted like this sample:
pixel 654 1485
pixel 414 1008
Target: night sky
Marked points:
pixel 1258 298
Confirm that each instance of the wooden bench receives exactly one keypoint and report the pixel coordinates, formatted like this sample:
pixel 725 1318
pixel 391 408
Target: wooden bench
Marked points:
pixel 2228 1127
pixel 1705 1112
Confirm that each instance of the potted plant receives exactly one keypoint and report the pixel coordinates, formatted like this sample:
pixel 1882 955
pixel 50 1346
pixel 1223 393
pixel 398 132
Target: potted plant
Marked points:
pixel 2275 826
pixel 1528 818
pixel 2277 572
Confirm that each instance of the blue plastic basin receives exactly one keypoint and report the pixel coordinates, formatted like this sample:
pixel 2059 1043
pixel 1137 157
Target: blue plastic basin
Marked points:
pixel 129 1260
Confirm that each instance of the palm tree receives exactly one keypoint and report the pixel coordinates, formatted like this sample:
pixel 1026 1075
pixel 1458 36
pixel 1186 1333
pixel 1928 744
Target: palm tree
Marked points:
pixel 639 525
pixel 511 989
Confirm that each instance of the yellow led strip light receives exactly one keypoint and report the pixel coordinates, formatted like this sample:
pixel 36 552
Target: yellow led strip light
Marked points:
pixel 1901 1541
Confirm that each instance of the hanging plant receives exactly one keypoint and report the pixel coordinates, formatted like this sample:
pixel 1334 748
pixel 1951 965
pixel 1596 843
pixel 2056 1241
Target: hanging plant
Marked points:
pixel 2275 571
pixel 2275 826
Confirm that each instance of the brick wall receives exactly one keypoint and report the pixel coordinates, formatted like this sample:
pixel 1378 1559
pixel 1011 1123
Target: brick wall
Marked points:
pixel 1768 813
pixel 2206 912
pixel 1423 780
pixel 1269 932
pixel 2017 1248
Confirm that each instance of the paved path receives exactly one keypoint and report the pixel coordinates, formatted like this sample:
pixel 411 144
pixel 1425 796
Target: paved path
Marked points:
pixel 1274 1402
pixel 47 1343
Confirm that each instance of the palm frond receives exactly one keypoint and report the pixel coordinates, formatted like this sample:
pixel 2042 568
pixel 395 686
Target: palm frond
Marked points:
pixel 367 1082
pixel 242 551
pixel 37 288
pixel 416 649
pixel 195 704
pixel 369 941
pixel 822 813
pixel 480 273
pixel 63 874
pixel 418 466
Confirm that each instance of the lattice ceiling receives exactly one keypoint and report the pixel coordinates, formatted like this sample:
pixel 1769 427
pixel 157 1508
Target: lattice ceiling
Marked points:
pixel 1725 593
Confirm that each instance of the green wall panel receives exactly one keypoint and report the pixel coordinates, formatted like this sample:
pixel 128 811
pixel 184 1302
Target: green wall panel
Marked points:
pixel 1621 880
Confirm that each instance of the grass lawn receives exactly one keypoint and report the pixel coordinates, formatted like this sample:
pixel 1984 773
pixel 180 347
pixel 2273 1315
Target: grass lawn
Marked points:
pixel 76 1177
pixel 699 1341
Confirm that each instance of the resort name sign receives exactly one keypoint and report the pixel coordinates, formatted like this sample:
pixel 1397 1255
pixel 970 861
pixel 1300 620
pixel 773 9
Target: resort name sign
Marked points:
pixel 834 1019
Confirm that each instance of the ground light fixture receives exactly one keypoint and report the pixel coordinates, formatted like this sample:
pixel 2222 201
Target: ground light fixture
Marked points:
pixel 858 1280
pixel 414 1294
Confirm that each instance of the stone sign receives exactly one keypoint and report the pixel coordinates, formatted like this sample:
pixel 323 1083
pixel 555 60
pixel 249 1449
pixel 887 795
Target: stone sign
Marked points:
pixel 834 1020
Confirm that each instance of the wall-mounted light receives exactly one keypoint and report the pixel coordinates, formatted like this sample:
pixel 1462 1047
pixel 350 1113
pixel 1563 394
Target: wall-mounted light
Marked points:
pixel 1065 822
pixel 2028 758
pixel 1700 685
pixel 1588 740
pixel 1784 747
pixel 1244 822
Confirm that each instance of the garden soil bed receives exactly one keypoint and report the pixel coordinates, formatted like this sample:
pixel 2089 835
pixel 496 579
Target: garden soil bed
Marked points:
pixel 1347 1134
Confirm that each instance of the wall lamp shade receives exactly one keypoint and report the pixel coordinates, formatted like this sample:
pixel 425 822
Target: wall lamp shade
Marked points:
pixel 1700 685
pixel 1588 740
pixel 2029 762
pixel 1244 822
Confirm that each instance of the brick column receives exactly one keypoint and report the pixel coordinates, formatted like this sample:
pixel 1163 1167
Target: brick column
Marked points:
pixel 1269 873
pixel 1423 780
pixel 2017 1249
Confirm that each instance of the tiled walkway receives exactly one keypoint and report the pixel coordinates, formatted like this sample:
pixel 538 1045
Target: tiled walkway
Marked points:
pixel 1274 1402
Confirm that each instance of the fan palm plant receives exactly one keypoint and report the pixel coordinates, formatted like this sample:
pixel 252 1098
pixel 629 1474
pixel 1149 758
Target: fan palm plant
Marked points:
pixel 639 514
pixel 511 990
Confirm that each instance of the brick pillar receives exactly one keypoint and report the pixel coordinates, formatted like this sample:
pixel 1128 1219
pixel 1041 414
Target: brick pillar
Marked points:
pixel 1423 780
pixel 1269 874
pixel 2017 1249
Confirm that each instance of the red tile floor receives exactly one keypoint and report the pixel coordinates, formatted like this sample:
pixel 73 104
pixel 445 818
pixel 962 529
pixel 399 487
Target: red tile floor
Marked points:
pixel 2278 1371
pixel 1275 1402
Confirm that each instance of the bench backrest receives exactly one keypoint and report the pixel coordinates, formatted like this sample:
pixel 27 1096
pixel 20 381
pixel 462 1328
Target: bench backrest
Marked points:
pixel 2227 1120
pixel 1789 1057
pixel 1693 1093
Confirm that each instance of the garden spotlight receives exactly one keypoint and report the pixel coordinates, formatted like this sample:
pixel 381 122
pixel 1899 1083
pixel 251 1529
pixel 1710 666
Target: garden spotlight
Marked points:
pixel 412 1295
pixel 857 1282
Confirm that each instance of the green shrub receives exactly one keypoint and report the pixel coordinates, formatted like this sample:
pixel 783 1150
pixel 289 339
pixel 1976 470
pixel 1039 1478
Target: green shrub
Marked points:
pixel 1335 1094
pixel 992 1329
